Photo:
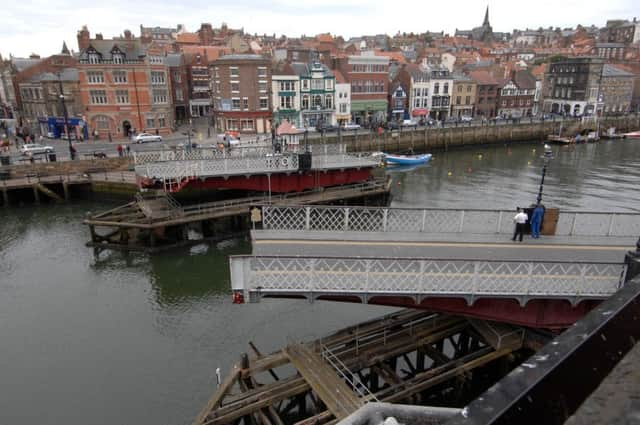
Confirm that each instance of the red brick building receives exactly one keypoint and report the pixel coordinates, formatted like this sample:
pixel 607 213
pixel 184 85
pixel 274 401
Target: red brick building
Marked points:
pixel 124 85
pixel 241 93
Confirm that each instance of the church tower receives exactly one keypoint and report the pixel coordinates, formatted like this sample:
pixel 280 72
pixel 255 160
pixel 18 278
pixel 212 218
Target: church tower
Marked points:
pixel 485 23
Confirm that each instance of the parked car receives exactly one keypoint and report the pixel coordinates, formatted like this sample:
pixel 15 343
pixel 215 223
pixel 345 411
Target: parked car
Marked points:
pixel 392 125
pixel 146 137
pixel 409 123
pixel 465 118
pixel 35 148
pixel 351 126
pixel 327 128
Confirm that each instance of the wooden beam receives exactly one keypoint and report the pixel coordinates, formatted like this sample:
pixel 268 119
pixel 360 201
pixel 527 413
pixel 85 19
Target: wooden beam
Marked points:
pixel 218 396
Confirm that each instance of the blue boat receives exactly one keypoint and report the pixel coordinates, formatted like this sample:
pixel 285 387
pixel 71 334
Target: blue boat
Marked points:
pixel 406 159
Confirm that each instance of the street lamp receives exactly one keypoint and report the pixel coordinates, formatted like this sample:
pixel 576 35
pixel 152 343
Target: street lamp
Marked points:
pixel 548 156
pixel 72 152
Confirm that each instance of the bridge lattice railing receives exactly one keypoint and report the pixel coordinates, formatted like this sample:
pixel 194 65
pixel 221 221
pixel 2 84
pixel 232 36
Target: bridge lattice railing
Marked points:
pixel 470 279
pixel 197 154
pixel 411 220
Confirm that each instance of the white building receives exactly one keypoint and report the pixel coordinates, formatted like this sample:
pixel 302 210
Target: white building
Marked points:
pixel 343 99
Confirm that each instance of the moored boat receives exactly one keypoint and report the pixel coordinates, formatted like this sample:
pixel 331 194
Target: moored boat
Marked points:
pixel 634 134
pixel 406 159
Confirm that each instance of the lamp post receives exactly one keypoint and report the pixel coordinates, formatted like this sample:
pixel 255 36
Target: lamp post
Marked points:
pixel 548 156
pixel 72 152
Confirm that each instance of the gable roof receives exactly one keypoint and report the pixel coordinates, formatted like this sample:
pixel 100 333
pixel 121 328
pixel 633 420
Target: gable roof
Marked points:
pixel 524 79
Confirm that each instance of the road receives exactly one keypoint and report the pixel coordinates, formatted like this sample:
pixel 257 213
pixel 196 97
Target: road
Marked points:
pixel 440 246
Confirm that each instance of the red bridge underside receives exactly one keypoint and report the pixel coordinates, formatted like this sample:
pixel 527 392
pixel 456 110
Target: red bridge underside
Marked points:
pixel 549 314
pixel 282 183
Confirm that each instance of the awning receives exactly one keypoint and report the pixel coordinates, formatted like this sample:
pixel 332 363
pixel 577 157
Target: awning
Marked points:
pixel 420 112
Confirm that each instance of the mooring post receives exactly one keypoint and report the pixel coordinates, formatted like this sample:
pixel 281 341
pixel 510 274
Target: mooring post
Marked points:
pixel 65 189
pixel 36 194
pixel 5 197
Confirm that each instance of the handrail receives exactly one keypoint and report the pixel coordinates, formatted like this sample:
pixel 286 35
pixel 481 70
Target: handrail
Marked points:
pixel 352 379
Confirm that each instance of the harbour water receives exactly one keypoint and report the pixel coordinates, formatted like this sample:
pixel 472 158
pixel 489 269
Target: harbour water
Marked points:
pixel 136 338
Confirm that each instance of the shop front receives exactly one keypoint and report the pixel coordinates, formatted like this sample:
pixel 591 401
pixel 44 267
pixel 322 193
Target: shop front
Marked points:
pixel 53 127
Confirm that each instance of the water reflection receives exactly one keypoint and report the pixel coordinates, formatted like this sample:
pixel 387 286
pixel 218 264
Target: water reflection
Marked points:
pixel 597 177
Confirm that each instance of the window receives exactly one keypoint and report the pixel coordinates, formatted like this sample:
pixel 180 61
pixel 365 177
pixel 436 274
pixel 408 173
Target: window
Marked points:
pixel 343 108
pixel 305 84
pixel 467 100
pixel 416 92
pixel 159 96
pixel 233 125
pixel 425 91
pixel 305 102
pixel 150 122
pixel 157 77
pixel 156 60
pixel 458 100
pixel 285 102
pixel 264 103
pixel 262 86
pixel 445 90
pixel 246 125
pixel 425 102
pixel 468 89
pixel 328 84
pixel 262 72
pixel 98 97
pixel 122 96
pixel 317 84
pixel 161 122
pixel 102 122
pixel 235 87
pixel 317 101
pixel 119 77
pixel 436 88
pixel 245 103
pixel 329 101
pixel 177 76
pixel 417 102
pixel 235 103
pixel 459 88
pixel 118 58
pixel 179 95
pixel 399 104
pixel 94 58
pixel 95 77
pixel 234 71
pixel 287 86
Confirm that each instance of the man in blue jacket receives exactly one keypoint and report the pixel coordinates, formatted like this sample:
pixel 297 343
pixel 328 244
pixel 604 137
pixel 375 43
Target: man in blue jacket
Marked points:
pixel 536 221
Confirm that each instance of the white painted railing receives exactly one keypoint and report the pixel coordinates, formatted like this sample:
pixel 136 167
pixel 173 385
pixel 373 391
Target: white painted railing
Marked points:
pixel 258 276
pixel 411 220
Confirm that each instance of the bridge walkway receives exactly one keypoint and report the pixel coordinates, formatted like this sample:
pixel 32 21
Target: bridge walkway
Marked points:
pixel 332 390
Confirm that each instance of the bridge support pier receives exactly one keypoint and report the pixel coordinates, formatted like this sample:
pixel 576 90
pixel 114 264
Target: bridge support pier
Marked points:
pixel 65 189
pixel 5 197
pixel 36 194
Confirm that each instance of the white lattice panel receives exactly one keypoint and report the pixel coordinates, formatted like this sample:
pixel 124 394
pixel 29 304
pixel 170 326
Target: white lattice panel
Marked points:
pixel 429 277
pixel 404 220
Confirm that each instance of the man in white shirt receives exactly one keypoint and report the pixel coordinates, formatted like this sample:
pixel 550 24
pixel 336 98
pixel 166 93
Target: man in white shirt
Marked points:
pixel 520 219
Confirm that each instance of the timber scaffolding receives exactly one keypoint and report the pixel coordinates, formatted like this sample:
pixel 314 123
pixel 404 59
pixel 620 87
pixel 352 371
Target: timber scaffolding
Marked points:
pixel 411 356
pixel 155 220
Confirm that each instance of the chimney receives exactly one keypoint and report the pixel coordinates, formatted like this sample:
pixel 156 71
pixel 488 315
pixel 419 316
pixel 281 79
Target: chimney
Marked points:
pixel 127 35
pixel 84 38
pixel 99 36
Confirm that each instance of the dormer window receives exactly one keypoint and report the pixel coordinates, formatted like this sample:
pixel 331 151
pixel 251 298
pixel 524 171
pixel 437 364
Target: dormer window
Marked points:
pixel 118 58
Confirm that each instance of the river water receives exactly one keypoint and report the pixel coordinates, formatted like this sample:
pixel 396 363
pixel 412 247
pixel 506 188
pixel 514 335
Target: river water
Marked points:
pixel 136 338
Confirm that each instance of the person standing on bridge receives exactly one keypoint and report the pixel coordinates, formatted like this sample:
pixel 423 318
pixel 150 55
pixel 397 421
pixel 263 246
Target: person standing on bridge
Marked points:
pixel 536 221
pixel 520 219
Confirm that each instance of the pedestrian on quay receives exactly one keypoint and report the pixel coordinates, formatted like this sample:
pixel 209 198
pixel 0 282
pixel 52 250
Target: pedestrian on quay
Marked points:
pixel 110 139
pixel 520 220
pixel 128 150
pixel 119 149
pixel 536 221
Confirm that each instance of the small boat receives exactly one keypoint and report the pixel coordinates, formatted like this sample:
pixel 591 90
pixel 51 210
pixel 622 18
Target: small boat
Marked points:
pixel 406 159
pixel 612 134
pixel 634 134
pixel 560 140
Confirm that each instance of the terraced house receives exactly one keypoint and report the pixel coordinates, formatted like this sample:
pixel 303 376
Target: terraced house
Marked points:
pixel 240 89
pixel 285 100
pixel 317 94
pixel 124 85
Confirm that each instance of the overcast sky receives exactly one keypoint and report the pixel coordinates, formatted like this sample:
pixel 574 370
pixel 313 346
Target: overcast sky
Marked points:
pixel 40 26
